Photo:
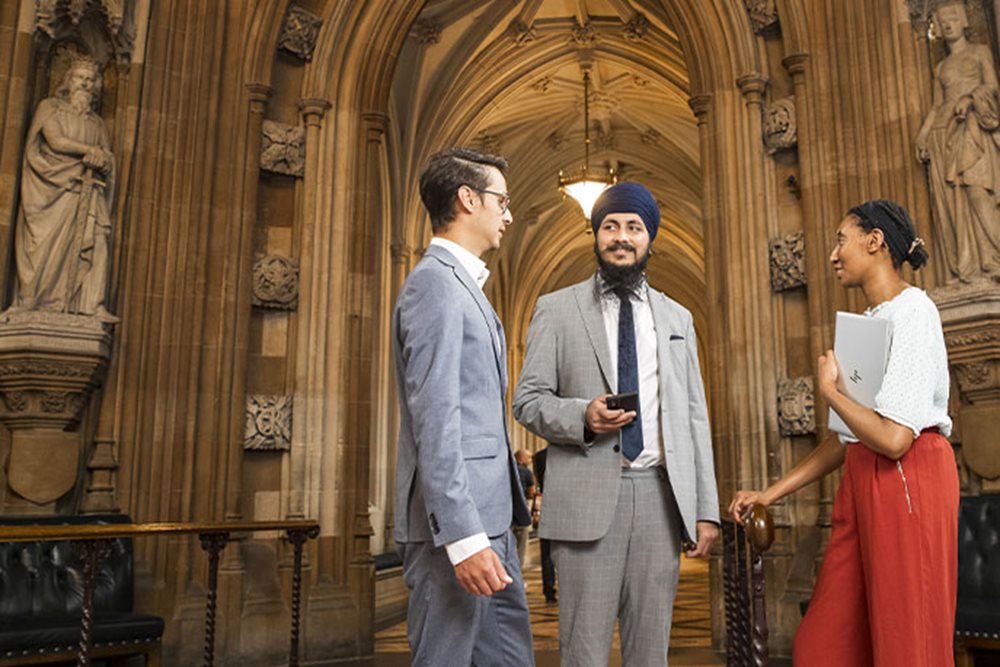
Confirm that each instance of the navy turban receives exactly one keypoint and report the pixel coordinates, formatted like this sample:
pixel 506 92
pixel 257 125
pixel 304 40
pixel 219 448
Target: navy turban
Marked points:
pixel 627 198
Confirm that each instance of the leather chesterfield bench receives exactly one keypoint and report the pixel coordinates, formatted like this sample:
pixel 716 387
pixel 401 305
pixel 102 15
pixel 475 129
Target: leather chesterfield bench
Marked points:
pixel 977 621
pixel 41 590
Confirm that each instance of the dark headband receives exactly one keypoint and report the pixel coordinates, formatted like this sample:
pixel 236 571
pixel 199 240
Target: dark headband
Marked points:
pixel 887 216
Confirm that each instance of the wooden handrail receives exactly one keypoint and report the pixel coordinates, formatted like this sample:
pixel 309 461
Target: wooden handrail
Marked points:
pixel 30 533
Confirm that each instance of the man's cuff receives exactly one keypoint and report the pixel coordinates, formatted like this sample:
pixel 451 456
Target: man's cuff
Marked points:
pixel 465 547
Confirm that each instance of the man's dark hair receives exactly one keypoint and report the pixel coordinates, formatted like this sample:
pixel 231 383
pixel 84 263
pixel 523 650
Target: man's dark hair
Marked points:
pixel 449 170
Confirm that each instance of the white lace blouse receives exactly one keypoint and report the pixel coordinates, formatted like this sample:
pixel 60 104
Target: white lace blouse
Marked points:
pixel 915 388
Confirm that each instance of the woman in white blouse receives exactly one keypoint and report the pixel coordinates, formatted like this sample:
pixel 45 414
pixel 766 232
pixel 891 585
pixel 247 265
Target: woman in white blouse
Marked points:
pixel 886 591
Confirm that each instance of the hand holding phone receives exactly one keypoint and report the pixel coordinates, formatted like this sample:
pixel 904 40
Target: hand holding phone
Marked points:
pixel 609 413
pixel 629 402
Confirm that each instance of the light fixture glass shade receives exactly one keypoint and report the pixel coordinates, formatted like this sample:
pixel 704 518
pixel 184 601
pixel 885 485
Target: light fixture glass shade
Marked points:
pixel 585 192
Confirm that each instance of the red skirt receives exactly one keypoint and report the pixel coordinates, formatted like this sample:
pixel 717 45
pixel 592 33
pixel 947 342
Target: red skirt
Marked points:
pixel 886 591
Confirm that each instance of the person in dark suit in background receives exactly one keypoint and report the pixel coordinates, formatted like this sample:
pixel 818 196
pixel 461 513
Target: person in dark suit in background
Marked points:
pixel 548 567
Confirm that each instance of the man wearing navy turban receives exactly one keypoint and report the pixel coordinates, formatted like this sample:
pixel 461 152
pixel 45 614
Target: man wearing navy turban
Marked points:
pixel 630 481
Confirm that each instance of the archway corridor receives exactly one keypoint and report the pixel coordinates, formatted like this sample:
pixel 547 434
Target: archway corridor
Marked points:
pixel 511 82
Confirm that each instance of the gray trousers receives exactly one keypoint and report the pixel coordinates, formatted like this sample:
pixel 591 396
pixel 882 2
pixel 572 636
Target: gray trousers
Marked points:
pixel 448 627
pixel 629 574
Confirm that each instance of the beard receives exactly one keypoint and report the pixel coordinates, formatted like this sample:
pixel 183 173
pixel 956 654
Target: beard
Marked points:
pixel 81 101
pixel 622 280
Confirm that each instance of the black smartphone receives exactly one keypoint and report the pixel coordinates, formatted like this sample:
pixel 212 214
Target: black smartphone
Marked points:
pixel 628 402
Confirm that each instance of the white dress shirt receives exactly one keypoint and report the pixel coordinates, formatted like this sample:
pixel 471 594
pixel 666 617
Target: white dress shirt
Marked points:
pixel 649 377
pixel 475 267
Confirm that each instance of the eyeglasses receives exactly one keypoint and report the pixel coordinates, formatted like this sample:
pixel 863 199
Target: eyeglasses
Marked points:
pixel 503 199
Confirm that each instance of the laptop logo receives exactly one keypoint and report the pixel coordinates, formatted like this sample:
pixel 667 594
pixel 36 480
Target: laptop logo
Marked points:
pixel 855 376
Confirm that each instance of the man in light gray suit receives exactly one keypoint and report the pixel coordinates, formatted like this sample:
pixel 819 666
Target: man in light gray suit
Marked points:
pixel 629 481
pixel 457 488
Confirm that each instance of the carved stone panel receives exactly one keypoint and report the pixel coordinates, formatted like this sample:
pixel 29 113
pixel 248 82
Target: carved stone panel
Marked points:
pixel 796 414
pixel 763 14
pixel 788 262
pixel 275 282
pixel 780 128
pixel 283 149
pixel 299 33
pixel 268 423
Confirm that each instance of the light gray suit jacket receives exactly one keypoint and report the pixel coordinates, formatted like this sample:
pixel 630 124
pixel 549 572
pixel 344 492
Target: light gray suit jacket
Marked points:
pixel 455 473
pixel 567 364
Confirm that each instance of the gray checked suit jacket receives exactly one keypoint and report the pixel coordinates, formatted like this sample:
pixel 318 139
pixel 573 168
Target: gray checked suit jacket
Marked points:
pixel 455 473
pixel 568 364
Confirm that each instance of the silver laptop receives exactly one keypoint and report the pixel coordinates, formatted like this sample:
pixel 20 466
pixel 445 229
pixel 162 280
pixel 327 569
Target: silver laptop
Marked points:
pixel 862 347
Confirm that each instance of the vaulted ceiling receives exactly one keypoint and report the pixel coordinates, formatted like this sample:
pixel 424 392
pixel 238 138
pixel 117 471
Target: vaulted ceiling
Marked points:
pixel 507 76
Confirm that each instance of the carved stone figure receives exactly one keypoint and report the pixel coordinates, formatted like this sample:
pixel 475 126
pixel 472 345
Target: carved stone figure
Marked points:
pixel 788 262
pixel 62 239
pixel 796 414
pixel 960 142
pixel 780 127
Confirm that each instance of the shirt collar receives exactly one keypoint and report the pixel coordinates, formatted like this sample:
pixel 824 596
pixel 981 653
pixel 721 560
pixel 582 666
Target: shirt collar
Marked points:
pixel 474 266
pixel 604 292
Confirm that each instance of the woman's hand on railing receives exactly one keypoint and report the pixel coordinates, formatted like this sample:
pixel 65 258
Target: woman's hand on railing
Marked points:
pixel 743 501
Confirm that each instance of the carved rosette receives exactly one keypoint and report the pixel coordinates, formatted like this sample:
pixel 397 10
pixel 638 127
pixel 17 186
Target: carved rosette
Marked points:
pixel 636 28
pixel 583 36
pixel 796 413
pixel 426 32
pixel 650 137
pixel 521 33
pixel 275 282
pixel 488 143
pixel 763 14
pixel 268 423
pixel 299 32
pixel 788 262
pixel 283 149
pixel 780 127
pixel 542 85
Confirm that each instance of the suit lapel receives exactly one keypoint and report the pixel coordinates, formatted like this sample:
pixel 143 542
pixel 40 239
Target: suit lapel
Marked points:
pixel 665 325
pixel 593 322
pixel 492 321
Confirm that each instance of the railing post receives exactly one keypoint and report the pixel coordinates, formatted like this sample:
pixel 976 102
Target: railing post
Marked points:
pixel 760 650
pixel 298 538
pixel 213 543
pixel 90 552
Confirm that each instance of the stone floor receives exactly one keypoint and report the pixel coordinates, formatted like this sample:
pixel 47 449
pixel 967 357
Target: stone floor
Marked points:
pixel 690 638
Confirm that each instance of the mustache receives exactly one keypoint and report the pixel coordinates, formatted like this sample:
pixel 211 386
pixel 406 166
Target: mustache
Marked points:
pixel 620 245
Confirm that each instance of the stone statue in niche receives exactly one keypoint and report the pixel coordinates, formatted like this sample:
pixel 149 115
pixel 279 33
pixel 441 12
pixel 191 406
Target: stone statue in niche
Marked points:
pixel 63 231
pixel 961 145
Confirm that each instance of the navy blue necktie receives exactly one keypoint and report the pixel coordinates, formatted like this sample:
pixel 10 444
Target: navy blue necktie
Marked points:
pixel 628 377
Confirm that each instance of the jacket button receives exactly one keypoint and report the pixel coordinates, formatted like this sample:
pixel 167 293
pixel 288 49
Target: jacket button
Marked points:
pixel 617 448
